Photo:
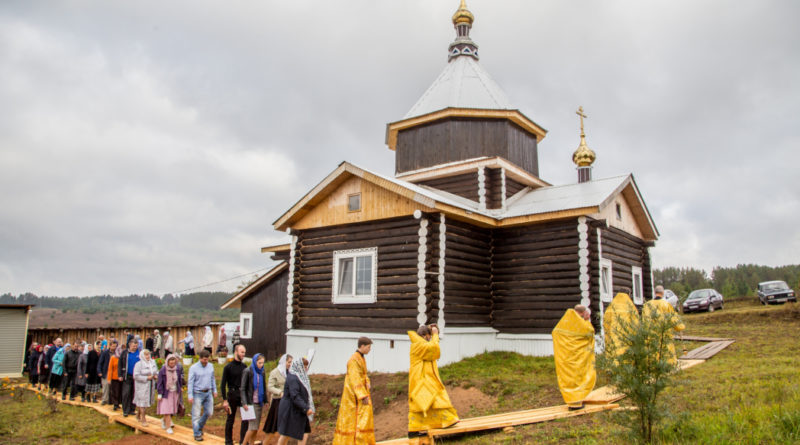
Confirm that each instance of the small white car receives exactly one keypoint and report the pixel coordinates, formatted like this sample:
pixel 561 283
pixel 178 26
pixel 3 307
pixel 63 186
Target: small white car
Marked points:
pixel 671 299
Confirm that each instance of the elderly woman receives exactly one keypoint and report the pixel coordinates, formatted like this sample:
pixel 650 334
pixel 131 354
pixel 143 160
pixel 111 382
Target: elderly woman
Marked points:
pixel 208 339
pixel 92 377
pixel 44 372
pixel 296 409
pixel 277 379
pixel 169 383
pixel 82 373
pixel 145 374
pixel 188 344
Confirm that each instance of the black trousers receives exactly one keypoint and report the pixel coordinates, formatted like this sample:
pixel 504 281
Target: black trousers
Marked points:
pixel 55 381
pixel 235 403
pixel 114 392
pixel 127 395
pixel 68 381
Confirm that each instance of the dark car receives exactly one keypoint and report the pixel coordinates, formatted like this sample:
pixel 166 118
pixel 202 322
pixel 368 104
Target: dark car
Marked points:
pixel 703 300
pixel 770 292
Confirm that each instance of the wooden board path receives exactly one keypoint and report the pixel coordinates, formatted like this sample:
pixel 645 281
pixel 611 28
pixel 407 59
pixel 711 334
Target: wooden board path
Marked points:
pixel 695 338
pixel 181 434
pixel 707 351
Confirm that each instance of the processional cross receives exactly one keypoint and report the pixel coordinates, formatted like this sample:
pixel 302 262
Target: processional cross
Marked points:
pixel 582 115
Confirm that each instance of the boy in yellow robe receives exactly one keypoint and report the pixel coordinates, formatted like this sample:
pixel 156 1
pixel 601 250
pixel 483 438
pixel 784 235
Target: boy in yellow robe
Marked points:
pixel 354 426
pixel 661 306
pixel 573 351
pixel 429 406
pixel 623 310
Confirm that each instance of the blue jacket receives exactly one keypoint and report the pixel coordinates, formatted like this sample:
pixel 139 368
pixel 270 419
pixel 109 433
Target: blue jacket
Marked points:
pixel 58 362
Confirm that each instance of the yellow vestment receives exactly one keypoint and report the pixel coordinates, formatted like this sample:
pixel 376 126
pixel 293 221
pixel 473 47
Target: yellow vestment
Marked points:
pixel 620 309
pixel 429 406
pixel 573 351
pixel 661 306
pixel 354 426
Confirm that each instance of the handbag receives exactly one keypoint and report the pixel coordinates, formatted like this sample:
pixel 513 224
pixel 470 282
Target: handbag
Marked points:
pixel 181 410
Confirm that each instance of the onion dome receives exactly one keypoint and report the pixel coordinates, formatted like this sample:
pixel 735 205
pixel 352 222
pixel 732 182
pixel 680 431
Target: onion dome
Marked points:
pixel 583 156
pixel 463 15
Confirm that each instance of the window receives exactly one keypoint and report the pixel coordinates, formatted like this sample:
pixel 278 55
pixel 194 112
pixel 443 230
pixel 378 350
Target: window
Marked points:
pixel 355 275
pixel 606 281
pixel 246 325
pixel 619 212
pixel 354 202
pixel 636 276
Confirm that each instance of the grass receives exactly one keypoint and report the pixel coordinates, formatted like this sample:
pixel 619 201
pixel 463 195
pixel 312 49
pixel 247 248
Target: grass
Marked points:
pixel 747 394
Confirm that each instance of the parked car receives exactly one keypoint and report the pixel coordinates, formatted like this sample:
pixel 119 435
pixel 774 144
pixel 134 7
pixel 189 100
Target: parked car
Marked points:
pixel 703 300
pixel 672 299
pixel 775 292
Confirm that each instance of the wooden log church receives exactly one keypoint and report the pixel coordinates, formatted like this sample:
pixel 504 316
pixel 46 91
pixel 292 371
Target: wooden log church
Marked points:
pixel 466 235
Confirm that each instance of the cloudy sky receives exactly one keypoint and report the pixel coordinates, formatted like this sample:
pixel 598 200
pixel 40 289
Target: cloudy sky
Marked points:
pixel 148 146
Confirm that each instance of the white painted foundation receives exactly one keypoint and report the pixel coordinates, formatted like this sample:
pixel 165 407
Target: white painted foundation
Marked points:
pixel 390 351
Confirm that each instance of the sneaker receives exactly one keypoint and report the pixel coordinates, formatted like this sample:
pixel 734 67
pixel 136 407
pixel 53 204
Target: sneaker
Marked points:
pixel 198 438
pixel 169 430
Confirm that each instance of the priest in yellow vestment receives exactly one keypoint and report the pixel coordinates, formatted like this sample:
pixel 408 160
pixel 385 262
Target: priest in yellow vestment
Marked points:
pixel 621 310
pixel 354 426
pixel 661 306
pixel 429 406
pixel 573 351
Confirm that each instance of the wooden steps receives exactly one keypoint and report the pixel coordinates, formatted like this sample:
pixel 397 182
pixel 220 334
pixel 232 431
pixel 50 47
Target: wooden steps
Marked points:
pixel 181 434
pixel 707 351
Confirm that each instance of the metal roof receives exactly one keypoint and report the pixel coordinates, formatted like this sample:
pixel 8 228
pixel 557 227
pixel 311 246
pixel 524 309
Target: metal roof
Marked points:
pixel 462 84
pixel 564 197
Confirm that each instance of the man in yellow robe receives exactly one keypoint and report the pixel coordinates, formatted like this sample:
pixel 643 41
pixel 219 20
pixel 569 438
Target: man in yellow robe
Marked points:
pixel 573 351
pixel 354 426
pixel 659 305
pixel 621 310
pixel 429 406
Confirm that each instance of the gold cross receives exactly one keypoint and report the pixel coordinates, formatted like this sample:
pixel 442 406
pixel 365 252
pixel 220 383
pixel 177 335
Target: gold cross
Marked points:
pixel 582 115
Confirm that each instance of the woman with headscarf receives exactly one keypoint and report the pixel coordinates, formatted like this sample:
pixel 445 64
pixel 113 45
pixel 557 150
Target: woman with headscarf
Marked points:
pixel 296 410
pixel 222 342
pixel 44 373
pixel 33 364
pixel 275 384
pixel 253 391
pixel 114 382
pixel 82 372
pixel 168 386
pixel 92 378
pixel 188 344
pixel 145 374
pixel 57 373
pixel 208 339
pixel 138 339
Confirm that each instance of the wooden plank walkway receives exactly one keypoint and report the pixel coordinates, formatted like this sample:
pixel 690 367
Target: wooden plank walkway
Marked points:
pixel 707 351
pixel 181 434
pixel 695 338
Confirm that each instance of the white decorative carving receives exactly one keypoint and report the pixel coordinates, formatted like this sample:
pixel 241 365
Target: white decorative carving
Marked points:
pixel 442 246
pixel 481 188
pixel 422 282
pixel 583 260
pixel 290 286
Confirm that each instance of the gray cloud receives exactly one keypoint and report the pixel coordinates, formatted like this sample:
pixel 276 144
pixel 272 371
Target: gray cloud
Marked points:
pixel 148 147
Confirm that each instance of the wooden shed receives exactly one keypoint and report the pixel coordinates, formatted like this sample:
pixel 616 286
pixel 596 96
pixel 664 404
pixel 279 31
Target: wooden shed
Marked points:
pixel 13 331
pixel 466 234
pixel 262 312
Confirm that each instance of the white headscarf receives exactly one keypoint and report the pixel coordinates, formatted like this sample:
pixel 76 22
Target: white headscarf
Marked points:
pixel 300 371
pixel 282 365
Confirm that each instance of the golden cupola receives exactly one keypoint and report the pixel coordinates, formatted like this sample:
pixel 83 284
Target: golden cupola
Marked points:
pixel 583 157
pixel 463 15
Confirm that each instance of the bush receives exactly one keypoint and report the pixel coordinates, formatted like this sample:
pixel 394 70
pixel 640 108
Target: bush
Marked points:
pixel 641 366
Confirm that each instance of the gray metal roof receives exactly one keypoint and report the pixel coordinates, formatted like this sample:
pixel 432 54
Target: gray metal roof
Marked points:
pixel 462 84
pixel 566 197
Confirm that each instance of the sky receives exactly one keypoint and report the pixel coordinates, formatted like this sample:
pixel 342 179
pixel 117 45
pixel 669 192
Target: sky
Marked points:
pixel 147 147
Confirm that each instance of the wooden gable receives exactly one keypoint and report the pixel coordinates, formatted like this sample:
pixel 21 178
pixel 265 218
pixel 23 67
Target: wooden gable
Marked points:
pixel 376 203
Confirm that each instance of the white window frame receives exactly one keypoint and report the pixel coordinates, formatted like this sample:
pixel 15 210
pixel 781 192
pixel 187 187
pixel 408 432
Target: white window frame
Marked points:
pixel 372 252
pixel 638 298
pixel 249 317
pixel 609 295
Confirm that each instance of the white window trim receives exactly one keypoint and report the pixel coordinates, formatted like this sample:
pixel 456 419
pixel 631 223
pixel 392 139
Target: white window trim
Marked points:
pixel 609 296
pixel 355 299
pixel 637 299
pixel 249 317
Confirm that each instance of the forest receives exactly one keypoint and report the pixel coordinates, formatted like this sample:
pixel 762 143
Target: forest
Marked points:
pixel 206 301
pixel 733 282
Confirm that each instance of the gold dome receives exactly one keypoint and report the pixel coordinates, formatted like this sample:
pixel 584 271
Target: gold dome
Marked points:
pixel 583 156
pixel 463 15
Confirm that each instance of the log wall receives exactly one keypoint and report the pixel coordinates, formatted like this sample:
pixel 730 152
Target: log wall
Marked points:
pixel 464 185
pixel 494 188
pixel 512 187
pixel 535 276
pixel 468 299
pixel 397 241
pixel 625 251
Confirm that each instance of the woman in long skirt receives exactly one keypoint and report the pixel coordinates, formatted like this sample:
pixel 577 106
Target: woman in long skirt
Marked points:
pixel 44 372
pixel 56 373
pixel 145 374
pixel 92 378
pixel 277 379
pixel 296 409
pixel 168 386
pixel 114 382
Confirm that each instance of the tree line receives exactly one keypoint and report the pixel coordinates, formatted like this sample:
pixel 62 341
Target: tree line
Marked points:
pixel 732 282
pixel 194 300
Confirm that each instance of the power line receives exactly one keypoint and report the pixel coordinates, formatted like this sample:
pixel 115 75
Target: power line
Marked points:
pixel 221 281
